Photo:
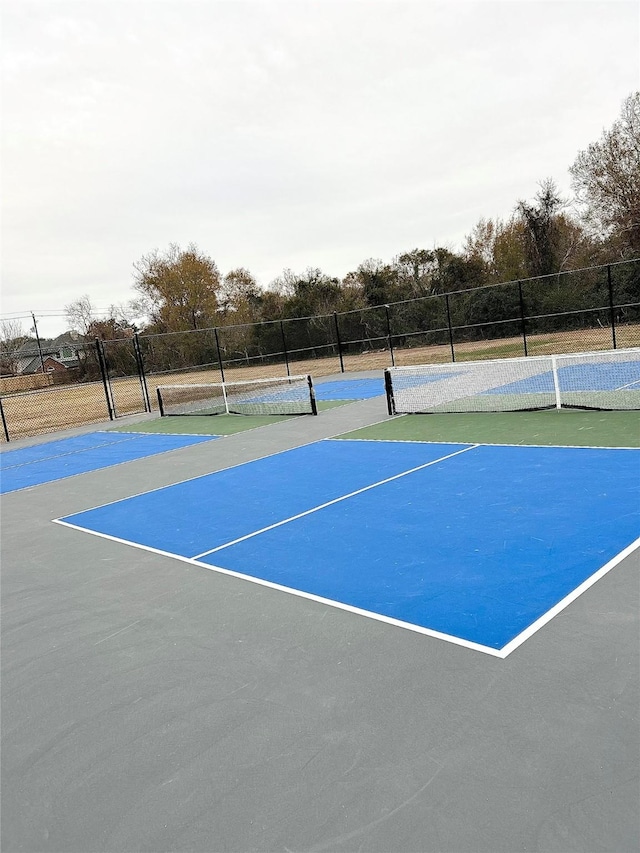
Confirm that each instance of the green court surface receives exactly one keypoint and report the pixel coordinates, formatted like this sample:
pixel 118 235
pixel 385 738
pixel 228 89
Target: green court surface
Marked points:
pixel 218 424
pixel 571 428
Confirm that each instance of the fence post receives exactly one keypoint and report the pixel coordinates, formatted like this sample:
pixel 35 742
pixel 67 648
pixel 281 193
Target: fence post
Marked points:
pixel 137 350
pixel 612 312
pixel 215 332
pixel 4 421
pixel 393 360
pixel 339 341
pixel 453 352
pixel 523 320
pixel 105 378
pixel 284 348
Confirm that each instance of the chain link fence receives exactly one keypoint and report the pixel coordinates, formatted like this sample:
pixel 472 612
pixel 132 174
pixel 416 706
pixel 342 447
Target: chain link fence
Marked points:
pixel 576 311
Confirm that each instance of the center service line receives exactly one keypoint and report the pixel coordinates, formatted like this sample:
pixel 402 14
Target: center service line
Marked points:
pixel 334 501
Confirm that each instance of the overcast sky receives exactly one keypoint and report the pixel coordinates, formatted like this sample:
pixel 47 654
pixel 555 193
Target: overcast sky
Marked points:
pixel 285 134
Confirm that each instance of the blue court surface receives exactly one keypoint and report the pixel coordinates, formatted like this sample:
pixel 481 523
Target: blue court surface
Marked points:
pixel 55 460
pixel 479 545
pixel 364 389
pixel 349 389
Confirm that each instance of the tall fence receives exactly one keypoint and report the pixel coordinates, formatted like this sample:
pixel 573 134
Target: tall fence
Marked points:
pixel 580 310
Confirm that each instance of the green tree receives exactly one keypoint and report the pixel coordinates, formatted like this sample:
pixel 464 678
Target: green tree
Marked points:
pixel 178 288
pixel 415 269
pixel 497 247
pixel 606 181
pixel 239 297
pixel 541 229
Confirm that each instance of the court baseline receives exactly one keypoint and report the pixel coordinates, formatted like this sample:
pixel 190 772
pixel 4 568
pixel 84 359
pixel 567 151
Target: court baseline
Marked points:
pixel 476 547
pixel 56 460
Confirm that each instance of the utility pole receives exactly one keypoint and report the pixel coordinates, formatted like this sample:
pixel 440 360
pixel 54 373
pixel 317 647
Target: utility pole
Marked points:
pixel 35 329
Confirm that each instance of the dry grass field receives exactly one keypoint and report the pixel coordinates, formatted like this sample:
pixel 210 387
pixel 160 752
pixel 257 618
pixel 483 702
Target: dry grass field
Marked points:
pixel 61 407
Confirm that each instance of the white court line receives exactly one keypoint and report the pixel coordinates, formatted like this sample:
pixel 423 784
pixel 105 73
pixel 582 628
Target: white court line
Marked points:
pixel 98 470
pixel 68 452
pixel 568 599
pixel 502 653
pixel 334 501
pixel 338 605
pixel 493 444
pixel 628 385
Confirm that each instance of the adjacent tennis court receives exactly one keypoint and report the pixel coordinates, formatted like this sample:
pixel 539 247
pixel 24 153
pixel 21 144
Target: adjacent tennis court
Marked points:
pixel 56 460
pixel 478 545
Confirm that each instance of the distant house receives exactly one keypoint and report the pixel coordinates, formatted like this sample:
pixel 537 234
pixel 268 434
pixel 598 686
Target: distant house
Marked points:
pixel 59 353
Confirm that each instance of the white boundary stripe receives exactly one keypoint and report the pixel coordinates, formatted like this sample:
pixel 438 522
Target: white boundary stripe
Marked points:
pixel 108 467
pixel 418 629
pixel 131 437
pixel 568 599
pixel 334 501
pixel 490 444
pixel 502 653
pixel 236 465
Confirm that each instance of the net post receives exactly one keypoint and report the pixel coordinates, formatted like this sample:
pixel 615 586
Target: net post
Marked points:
pixel 4 421
pixel 338 340
pixel 312 395
pixel 612 312
pixel 160 403
pixel 224 397
pixel 556 383
pixel 388 389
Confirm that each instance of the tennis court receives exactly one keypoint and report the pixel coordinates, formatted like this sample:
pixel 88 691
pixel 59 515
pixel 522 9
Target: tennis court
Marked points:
pixel 333 633
pixel 56 460
pixel 474 544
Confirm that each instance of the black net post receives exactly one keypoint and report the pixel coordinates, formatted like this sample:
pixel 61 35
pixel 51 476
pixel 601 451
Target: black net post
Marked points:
pixel 312 395
pixel 453 352
pixel 612 312
pixel 217 337
pixel 105 378
pixel 4 421
pixel 141 375
pixel 389 339
pixel 523 319
pixel 338 340
pixel 284 348
pixel 388 389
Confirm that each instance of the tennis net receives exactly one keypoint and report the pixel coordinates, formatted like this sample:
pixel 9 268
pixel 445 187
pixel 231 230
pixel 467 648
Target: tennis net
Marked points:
pixel 597 380
pixel 290 395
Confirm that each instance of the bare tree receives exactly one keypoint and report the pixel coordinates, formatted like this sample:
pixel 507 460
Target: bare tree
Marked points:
pixel 80 314
pixel 541 232
pixel 606 180
pixel 12 338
